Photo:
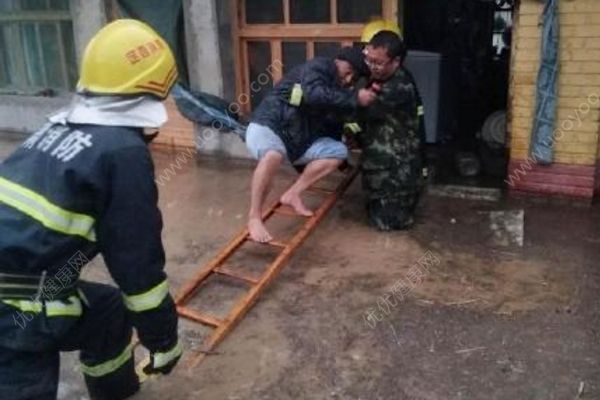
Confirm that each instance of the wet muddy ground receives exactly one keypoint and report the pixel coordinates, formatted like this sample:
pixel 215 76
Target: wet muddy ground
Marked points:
pixel 442 312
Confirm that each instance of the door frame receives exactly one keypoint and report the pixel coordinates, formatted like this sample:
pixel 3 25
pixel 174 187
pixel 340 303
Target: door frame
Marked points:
pixel 275 34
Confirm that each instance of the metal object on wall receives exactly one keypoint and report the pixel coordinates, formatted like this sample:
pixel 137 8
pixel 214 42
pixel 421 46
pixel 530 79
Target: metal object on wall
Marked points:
pixel 428 70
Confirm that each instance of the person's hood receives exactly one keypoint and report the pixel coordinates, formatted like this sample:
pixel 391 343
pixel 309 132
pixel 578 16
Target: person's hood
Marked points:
pixel 138 112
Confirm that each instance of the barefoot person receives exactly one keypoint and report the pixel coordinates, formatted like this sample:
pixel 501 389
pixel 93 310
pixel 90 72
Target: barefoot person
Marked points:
pixel 301 120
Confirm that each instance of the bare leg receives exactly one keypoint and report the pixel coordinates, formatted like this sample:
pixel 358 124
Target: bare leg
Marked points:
pixel 312 173
pixel 261 182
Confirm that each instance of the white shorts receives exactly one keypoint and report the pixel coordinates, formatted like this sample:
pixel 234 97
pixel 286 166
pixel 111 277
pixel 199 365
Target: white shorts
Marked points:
pixel 261 139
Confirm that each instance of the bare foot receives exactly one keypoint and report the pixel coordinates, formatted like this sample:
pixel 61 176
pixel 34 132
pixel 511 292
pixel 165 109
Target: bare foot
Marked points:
pixel 258 231
pixel 296 203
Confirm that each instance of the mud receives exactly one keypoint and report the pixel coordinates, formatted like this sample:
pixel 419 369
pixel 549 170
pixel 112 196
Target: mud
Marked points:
pixel 486 321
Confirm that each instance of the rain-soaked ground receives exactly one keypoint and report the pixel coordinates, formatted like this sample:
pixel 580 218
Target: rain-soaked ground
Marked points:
pixel 454 309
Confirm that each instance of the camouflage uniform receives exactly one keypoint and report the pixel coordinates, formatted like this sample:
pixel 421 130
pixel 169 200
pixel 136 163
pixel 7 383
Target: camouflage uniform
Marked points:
pixel 392 144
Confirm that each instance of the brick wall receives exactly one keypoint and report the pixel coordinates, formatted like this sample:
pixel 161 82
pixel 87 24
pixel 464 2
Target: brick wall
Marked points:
pixel 577 149
pixel 178 131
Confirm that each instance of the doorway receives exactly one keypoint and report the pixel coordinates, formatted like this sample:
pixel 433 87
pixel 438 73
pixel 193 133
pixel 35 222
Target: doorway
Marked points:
pixel 472 39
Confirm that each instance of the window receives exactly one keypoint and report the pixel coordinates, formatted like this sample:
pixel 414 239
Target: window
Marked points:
pixel 264 12
pixel 273 36
pixel 359 11
pixel 328 49
pixel 37 52
pixel 294 53
pixel 259 58
pixel 310 12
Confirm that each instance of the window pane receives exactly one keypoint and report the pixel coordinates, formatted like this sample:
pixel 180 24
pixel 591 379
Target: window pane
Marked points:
pixel 33 59
pixel 52 56
pixel 358 11
pixel 327 49
pixel 34 5
pixel 70 61
pixel 59 4
pixel 310 11
pixel 264 11
pixel 7 6
pixel 294 53
pixel 261 81
pixel 4 77
pixel 14 72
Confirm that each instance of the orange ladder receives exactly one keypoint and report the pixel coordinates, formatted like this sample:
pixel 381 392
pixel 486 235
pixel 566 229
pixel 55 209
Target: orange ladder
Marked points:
pixel 221 327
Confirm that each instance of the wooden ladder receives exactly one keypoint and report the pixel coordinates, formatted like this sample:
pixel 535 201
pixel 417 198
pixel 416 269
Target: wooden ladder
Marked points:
pixel 221 327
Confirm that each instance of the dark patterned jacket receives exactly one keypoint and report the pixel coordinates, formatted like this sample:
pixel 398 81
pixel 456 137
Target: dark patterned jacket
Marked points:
pixel 392 159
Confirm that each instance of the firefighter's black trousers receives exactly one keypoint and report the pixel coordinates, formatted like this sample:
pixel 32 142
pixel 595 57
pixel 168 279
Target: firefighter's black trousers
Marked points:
pixel 30 343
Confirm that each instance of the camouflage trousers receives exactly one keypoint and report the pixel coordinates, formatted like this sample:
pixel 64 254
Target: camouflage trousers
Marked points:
pixel 393 195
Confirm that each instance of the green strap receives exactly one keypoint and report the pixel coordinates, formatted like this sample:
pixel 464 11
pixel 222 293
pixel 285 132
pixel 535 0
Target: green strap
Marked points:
pixel 352 127
pixel 65 310
pixel 110 366
pixel 296 96
pixel 56 308
pixel 46 213
pixel 162 359
pixel 147 300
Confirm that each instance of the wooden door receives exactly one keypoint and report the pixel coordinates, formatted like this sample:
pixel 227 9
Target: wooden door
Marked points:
pixel 272 36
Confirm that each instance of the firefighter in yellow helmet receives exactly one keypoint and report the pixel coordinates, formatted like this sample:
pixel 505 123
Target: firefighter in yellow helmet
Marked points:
pixel 81 186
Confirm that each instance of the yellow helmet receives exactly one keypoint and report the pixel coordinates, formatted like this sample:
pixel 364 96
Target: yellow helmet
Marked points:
pixel 127 57
pixel 374 27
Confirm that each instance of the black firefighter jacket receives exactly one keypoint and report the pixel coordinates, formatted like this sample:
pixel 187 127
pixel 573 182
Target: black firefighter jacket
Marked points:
pixel 71 192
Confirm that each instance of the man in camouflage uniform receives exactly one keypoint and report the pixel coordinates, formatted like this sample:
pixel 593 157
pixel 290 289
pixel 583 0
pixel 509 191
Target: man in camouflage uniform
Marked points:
pixel 393 140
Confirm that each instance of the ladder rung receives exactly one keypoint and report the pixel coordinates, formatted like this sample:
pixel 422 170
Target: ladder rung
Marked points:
pixel 231 274
pixel 314 189
pixel 275 243
pixel 199 317
pixel 283 210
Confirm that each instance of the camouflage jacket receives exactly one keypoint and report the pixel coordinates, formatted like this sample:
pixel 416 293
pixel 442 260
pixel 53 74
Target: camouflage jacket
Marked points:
pixel 393 126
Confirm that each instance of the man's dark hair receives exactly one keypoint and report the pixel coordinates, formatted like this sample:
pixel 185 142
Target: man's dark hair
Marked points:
pixel 391 42
pixel 356 58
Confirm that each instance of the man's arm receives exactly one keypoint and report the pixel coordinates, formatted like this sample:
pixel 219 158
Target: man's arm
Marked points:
pixel 129 235
pixel 391 97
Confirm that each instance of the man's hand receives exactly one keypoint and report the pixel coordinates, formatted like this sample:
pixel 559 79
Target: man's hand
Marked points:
pixel 350 140
pixel 163 363
pixel 376 87
pixel 366 97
